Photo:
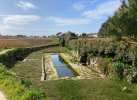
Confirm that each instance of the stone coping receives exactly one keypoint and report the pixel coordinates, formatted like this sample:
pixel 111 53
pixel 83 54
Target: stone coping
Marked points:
pixel 50 71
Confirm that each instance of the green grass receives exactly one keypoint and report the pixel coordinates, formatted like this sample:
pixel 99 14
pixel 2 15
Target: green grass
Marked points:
pixel 92 89
pixel 64 49
pixel 14 90
pixel 31 70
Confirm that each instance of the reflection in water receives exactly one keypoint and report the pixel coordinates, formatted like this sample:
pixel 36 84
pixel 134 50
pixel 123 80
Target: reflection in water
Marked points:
pixel 62 68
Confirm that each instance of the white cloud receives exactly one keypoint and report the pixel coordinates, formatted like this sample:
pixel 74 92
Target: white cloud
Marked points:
pixel 26 5
pixel 5 27
pixel 78 6
pixel 19 19
pixel 16 23
pixel 65 22
pixel 83 4
pixel 107 8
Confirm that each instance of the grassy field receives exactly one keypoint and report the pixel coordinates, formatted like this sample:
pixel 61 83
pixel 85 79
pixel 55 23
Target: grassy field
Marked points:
pixel 93 89
pixel 25 42
pixel 31 70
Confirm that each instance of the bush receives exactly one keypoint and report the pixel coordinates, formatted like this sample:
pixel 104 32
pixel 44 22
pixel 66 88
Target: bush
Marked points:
pixel 26 83
pixel 117 50
pixel 105 66
pixel 130 74
pixel 119 69
pixel 10 57
pixel 33 95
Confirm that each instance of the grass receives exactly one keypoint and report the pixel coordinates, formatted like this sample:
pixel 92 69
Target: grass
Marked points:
pixel 92 89
pixel 31 70
pixel 13 88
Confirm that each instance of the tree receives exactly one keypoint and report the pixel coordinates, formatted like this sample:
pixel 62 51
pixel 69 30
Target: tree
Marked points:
pixel 59 33
pixel 103 32
pixel 123 23
pixel 118 22
pixel 62 40
pixel 66 37
pixel 84 35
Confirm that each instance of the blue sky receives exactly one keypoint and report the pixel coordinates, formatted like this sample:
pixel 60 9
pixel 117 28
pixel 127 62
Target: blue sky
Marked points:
pixel 47 17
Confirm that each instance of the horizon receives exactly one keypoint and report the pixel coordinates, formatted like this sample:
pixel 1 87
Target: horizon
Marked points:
pixel 48 17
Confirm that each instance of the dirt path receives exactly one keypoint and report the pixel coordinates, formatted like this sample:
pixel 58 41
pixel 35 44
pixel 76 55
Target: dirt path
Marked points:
pixel 2 96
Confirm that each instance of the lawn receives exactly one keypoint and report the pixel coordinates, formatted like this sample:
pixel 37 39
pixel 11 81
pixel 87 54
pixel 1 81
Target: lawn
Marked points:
pixel 31 70
pixel 92 89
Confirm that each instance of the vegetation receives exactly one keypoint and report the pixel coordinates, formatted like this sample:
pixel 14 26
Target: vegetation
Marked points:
pixel 118 60
pixel 72 89
pixel 123 23
pixel 15 90
pixel 17 54
pixel 25 42
pixel 122 51
pixel 66 37
pixel 94 89
pixel 33 64
pixel 103 31
pixel 15 87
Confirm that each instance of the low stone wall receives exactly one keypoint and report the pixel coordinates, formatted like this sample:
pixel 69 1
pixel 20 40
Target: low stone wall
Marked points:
pixel 43 76
pixel 50 71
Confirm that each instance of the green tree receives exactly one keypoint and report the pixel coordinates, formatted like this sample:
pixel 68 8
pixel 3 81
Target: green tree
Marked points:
pixel 124 21
pixel 103 32
pixel 66 37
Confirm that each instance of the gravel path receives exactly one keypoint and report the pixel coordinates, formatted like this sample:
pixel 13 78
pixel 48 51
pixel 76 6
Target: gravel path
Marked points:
pixel 2 96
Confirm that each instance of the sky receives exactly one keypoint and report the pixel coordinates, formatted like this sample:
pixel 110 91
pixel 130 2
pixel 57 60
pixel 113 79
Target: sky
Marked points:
pixel 48 17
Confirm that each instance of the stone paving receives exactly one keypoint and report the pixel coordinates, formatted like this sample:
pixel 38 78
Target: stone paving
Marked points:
pixel 50 71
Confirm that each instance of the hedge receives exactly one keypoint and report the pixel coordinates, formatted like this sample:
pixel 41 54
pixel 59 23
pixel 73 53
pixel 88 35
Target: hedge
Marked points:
pixel 10 57
pixel 118 51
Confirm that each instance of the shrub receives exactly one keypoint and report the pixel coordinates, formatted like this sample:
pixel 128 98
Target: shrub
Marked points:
pixel 117 50
pixel 105 66
pixel 33 95
pixel 26 83
pixel 119 69
pixel 130 74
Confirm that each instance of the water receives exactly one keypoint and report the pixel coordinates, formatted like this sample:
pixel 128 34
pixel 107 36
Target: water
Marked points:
pixel 63 69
